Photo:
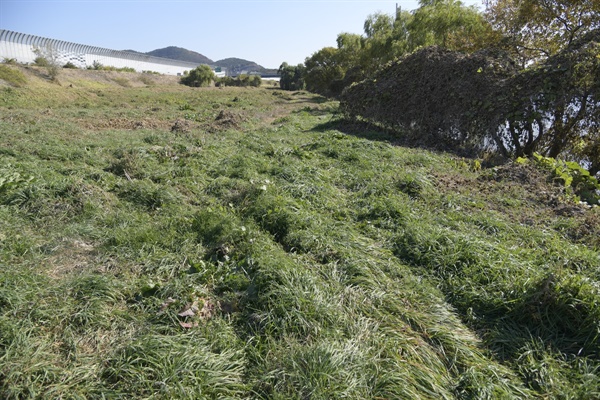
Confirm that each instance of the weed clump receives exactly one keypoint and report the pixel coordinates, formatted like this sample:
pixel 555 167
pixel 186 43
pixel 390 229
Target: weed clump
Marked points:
pixel 12 76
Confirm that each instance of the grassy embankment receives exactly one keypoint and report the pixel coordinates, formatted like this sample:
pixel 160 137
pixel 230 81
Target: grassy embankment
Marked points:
pixel 158 241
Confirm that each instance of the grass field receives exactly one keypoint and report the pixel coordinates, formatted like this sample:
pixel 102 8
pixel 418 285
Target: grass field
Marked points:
pixel 164 242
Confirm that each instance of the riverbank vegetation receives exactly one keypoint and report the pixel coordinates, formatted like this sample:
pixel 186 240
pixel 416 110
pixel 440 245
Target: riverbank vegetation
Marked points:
pixel 520 78
pixel 162 241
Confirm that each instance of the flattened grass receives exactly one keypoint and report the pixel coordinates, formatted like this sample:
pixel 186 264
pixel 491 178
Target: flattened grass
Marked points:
pixel 274 257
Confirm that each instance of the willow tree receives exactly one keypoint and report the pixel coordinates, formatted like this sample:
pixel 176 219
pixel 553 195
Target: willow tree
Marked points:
pixel 537 29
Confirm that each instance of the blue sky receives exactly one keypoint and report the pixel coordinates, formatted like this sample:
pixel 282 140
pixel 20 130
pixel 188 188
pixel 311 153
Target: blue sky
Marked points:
pixel 268 32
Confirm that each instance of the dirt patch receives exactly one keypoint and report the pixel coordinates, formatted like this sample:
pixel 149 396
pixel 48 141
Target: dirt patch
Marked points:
pixel 229 119
pixel 74 256
pixel 226 119
pixel 541 202
pixel 181 126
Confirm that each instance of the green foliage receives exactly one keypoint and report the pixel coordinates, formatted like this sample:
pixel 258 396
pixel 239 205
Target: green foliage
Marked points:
pixel 70 65
pixel 12 76
pixel 295 257
pixel 11 180
pixel 240 81
pixel 96 65
pixel 448 24
pixel 570 174
pixel 486 98
pixel 534 30
pixel 202 75
pixel 40 61
pixel 324 72
pixel 291 77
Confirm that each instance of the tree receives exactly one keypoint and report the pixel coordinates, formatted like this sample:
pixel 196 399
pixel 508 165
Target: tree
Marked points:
pixel 202 75
pixel 485 98
pixel 292 77
pixel 537 29
pixel 48 57
pixel 449 24
pixel 323 71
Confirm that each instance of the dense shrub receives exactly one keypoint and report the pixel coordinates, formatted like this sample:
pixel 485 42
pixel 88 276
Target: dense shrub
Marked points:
pixel 202 75
pixel 485 100
pixel 242 81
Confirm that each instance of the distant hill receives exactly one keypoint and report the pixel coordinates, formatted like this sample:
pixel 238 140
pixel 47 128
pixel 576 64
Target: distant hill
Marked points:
pixel 233 65
pixel 239 65
pixel 181 54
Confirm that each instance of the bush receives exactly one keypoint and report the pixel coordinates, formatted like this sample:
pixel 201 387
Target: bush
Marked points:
pixel 487 101
pixel 203 75
pixel 70 65
pixel 47 57
pixel 570 174
pixel 241 81
pixel 40 62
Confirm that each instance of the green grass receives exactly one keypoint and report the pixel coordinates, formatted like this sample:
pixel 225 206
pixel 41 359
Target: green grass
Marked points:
pixel 279 255
pixel 12 76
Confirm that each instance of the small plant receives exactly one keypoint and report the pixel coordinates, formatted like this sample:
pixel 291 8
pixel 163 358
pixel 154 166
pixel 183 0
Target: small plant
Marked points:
pixel 185 107
pixel 40 62
pixel 70 65
pixel 570 174
pixel 242 81
pixel 11 61
pixel 122 82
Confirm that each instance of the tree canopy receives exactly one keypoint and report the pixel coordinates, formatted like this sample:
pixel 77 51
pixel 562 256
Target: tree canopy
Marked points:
pixel 292 77
pixel 522 77
pixel 202 75
pixel 537 29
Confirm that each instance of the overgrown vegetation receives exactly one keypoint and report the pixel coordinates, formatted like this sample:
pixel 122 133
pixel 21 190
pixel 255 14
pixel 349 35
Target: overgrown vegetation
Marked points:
pixel 484 100
pixel 12 76
pixel 291 77
pixel 240 81
pixel 154 245
pixel 520 78
pixel 202 75
pixel 98 66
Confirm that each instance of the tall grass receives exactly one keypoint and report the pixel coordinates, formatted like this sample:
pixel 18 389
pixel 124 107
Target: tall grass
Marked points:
pixel 283 256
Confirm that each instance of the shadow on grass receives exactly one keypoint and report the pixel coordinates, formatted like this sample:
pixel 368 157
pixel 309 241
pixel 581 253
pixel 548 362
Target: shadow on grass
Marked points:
pixel 369 131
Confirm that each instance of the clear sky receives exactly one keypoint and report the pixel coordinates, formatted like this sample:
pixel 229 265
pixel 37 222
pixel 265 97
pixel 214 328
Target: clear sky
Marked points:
pixel 265 31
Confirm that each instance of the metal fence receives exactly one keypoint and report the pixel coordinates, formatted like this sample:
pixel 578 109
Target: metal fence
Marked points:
pixel 22 47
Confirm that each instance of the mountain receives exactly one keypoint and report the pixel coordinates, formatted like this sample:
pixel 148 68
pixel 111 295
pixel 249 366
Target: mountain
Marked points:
pixel 233 65
pixel 239 65
pixel 181 54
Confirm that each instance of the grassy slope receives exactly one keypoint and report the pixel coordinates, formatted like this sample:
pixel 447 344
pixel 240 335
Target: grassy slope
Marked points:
pixel 306 262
